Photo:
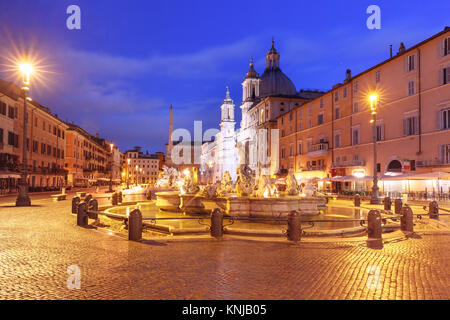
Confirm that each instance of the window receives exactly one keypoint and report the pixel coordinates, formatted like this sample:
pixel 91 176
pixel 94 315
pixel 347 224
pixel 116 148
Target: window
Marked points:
pixel 444 116
pixel 355 107
pixel 309 145
pixel 411 125
pixel 444 153
pixel 291 150
pixel 1 136
pixel 377 76
pixel 344 92
pixel 13 139
pixel 309 123
pixel 290 116
pixel 337 140
pixel 300 147
pixel 320 119
pixel 411 87
pixel 336 95
pixel 310 108
pixel 380 132
pixel 299 114
pixel 282 153
pixel 445 47
pixel 411 62
pixel 355 86
pixel 355 136
pixel 282 133
pixel 3 108
pixel 36 122
pixel 321 103
pixel 282 120
pixel 445 75
pixel 337 113
pixel 11 112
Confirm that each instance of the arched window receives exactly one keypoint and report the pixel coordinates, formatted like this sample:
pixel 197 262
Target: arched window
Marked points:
pixel 394 166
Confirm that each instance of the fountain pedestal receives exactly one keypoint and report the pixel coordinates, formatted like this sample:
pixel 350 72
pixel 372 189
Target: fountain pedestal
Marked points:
pixel 168 201
pixel 192 204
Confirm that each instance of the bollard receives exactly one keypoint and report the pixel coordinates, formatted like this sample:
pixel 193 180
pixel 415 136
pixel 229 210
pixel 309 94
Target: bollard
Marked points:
pixel 216 223
pixel 93 209
pixel 114 199
pixel 406 220
pixel 398 206
pixel 294 231
pixel 387 203
pixel 82 216
pixel 75 202
pixel 357 200
pixel 374 230
pixel 135 225
pixel 87 198
pixel 433 211
pixel 120 198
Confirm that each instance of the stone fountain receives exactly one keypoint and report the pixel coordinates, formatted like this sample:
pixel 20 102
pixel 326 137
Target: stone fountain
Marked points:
pixel 169 200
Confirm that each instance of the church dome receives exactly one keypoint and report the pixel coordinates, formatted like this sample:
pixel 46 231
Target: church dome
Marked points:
pixel 273 80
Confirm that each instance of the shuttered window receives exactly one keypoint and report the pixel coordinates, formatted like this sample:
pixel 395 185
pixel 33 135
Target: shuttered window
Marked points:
pixel 410 125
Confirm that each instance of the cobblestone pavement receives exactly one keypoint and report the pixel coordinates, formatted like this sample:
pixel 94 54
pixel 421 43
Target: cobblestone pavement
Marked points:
pixel 38 244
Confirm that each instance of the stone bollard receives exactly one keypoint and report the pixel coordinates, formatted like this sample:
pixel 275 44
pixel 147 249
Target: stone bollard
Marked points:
pixel 93 209
pixel 294 231
pixel 135 225
pixel 75 202
pixel 433 211
pixel 406 220
pixel 398 206
pixel 82 216
pixel 387 203
pixel 87 198
pixel 120 198
pixel 216 223
pixel 114 199
pixel 357 200
pixel 374 230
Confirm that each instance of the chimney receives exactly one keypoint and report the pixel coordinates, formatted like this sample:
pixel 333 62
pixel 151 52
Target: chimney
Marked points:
pixel 390 50
pixel 348 75
pixel 402 48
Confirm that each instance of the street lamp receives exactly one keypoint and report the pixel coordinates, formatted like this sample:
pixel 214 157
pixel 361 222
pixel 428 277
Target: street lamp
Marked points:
pixel 374 99
pixel 128 171
pixel 111 168
pixel 23 199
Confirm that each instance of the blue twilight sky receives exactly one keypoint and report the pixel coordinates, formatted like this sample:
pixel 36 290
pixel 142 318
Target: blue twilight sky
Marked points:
pixel 131 59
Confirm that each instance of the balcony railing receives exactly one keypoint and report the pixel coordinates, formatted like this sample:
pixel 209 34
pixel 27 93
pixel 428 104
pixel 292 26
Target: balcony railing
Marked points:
pixel 348 164
pixel 318 150
pixel 431 163
pixel 314 168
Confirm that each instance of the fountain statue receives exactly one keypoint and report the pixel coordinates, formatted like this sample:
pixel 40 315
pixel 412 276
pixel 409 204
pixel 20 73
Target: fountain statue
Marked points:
pixel 210 191
pixel 189 185
pixel 169 178
pixel 226 185
pixel 244 181
pixel 292 187
pixel 309 189
pixel 264 187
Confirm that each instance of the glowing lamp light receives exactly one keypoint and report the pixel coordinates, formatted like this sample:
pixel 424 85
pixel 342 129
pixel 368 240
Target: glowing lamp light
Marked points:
pixel 186 172
pixel 359 174
pixel 26 69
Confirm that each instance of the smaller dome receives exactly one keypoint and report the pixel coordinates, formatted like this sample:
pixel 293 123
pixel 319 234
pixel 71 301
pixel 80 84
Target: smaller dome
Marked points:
pixel 251 74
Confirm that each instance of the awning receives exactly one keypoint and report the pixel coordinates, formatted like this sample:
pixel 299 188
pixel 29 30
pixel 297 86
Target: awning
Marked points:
pixel 419 176
pixel 9 175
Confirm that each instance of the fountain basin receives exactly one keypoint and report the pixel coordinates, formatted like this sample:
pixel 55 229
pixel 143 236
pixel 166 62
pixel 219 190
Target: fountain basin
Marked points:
pixel 192 204
pixel 270 207
pixel 168 201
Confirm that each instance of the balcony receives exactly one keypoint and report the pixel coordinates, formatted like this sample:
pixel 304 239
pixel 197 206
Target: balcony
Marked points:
pixel 432 163
pixel 318 150
pixel 314 168
pixel 348 164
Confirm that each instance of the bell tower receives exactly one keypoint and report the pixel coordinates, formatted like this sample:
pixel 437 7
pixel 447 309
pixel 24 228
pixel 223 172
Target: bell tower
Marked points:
pixel 228 136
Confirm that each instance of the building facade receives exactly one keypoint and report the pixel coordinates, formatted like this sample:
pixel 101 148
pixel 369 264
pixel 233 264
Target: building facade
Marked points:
pixel 140 168
pixel 332 135
pixel 255 143
pixel 45 142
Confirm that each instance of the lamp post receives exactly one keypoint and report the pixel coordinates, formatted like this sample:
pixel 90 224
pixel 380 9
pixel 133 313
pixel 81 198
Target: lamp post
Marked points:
pixel 23 199
pixel 128 171
pixel 374 199
pixel 111 168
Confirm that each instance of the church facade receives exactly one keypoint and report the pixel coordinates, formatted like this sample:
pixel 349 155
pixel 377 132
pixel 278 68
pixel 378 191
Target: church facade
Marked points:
pixel 264 98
